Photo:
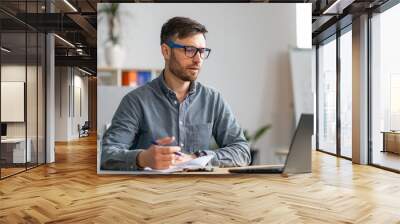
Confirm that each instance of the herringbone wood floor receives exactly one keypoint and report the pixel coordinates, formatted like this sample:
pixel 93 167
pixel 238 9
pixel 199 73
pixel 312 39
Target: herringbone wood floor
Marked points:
pixel 70 191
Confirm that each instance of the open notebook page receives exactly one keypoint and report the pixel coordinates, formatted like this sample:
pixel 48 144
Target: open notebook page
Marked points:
pixel 197 163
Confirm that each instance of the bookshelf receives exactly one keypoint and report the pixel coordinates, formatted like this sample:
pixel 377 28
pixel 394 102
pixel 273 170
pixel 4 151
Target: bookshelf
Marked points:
pixel 112 85
pixel 132 77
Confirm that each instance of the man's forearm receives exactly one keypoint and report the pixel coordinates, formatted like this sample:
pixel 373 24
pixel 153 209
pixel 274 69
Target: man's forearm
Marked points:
pixel 237 154
pixel 114 158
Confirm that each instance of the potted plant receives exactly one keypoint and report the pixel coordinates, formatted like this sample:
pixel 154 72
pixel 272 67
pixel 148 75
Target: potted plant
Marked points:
pixel 253 138
pixel 114 54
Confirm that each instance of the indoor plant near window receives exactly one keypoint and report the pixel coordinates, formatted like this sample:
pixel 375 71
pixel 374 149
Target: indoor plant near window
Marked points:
pixel 114 54
pixel 253 138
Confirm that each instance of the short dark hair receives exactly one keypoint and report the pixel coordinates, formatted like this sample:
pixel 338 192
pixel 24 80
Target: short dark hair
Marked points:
pixel 181 27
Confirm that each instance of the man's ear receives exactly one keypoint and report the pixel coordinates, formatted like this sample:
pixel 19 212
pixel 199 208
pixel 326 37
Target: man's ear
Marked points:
pixel 165 50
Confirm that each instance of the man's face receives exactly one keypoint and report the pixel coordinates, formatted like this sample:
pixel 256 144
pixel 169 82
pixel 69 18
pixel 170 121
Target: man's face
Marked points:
pixel 182 66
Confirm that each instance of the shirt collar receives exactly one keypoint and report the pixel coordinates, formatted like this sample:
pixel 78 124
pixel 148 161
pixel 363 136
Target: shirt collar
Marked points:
pixel 192 87
pixel 167 90
pixel 163 85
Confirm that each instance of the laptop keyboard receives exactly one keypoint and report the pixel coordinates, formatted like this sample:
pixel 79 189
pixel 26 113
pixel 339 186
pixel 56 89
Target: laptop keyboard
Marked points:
pixel 257 170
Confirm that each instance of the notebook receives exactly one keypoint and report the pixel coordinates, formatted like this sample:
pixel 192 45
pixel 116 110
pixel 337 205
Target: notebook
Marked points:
pixel 194 164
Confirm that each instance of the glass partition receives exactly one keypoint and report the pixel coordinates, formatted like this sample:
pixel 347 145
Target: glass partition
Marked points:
pixel 327 97
pixel 31 100
pixel 41 109
pixel 346 94
pixel 22 90
pixel 385 89
pixel 13 94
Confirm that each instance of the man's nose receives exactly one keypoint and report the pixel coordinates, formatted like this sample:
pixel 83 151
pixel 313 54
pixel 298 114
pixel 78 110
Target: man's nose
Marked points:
pixel 197 58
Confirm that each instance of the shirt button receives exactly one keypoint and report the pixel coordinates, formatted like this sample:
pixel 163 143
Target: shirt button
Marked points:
pixel 180 122
pixel 181 144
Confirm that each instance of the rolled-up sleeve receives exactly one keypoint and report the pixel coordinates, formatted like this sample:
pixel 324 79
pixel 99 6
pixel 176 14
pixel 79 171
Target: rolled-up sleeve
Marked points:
pixel 116 153
pixel 234 149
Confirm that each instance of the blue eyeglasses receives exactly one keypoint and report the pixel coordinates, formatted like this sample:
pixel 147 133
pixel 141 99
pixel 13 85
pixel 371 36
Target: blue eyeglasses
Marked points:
pixel 191 51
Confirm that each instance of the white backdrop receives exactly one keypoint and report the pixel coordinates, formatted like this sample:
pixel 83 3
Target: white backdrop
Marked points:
pixel 249 62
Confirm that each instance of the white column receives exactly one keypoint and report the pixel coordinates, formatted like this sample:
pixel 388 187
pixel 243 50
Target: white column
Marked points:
pixel 50 92
pixel 50 100
pixel 360 90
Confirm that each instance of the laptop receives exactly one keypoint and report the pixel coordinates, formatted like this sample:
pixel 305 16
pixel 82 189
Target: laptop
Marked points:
pixel 3 131
pixel 298 159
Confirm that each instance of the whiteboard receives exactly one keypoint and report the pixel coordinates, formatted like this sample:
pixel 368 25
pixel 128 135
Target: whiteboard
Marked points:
pixel 301 71
pixel 12 101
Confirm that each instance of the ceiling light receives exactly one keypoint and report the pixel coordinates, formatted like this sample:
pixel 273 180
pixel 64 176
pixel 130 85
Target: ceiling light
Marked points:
pixel 65 41
pixel 331 7
pixel 5 50
pixel 86 72
pixel 70 5
pixel 79 51
pixel 337 7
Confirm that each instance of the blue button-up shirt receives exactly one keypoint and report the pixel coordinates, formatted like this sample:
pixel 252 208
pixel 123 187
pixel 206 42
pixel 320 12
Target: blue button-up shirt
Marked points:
pixel 153 111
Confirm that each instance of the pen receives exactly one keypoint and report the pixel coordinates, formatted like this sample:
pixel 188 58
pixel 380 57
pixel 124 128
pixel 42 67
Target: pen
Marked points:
pixel 176 153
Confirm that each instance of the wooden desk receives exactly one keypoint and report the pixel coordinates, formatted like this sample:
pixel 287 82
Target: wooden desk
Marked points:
pixel 217 172
pixel 13 150
pixel 71 191
pixel 391 141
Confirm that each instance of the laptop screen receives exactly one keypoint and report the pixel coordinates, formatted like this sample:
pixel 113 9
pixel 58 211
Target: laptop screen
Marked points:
pixel 3 129
pixel 298 159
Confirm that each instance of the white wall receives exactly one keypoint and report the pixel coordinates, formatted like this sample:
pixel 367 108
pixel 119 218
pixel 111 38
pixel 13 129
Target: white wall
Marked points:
pixel 80 83
pixel 17 73
pixel 61 103
pixel 33 125
pixel 107 104
pixel 67 81
pixel 249 62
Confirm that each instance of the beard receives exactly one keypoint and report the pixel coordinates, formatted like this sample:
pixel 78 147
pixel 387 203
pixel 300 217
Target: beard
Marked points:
pixel 185 74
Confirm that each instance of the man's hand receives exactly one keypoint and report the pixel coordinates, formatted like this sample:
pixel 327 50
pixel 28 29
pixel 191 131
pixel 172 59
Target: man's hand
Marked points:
pixel 184 158
pixel 159 156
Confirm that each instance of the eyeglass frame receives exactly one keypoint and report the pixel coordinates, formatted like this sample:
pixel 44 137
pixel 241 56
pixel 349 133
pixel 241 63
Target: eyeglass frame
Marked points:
pixel 172 44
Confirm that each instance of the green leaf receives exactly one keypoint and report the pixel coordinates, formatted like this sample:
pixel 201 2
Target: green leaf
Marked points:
pixel 246 135
pixel 260 132
pixel 110 9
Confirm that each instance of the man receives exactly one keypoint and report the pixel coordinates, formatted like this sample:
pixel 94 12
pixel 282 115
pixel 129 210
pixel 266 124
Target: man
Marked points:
pixel 173 118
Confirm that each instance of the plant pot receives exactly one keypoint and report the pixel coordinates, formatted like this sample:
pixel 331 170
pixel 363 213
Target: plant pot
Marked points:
pixel 114 55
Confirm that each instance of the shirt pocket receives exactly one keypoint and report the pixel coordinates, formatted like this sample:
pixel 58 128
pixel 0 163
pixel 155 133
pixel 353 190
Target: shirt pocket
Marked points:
pixel 199 136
